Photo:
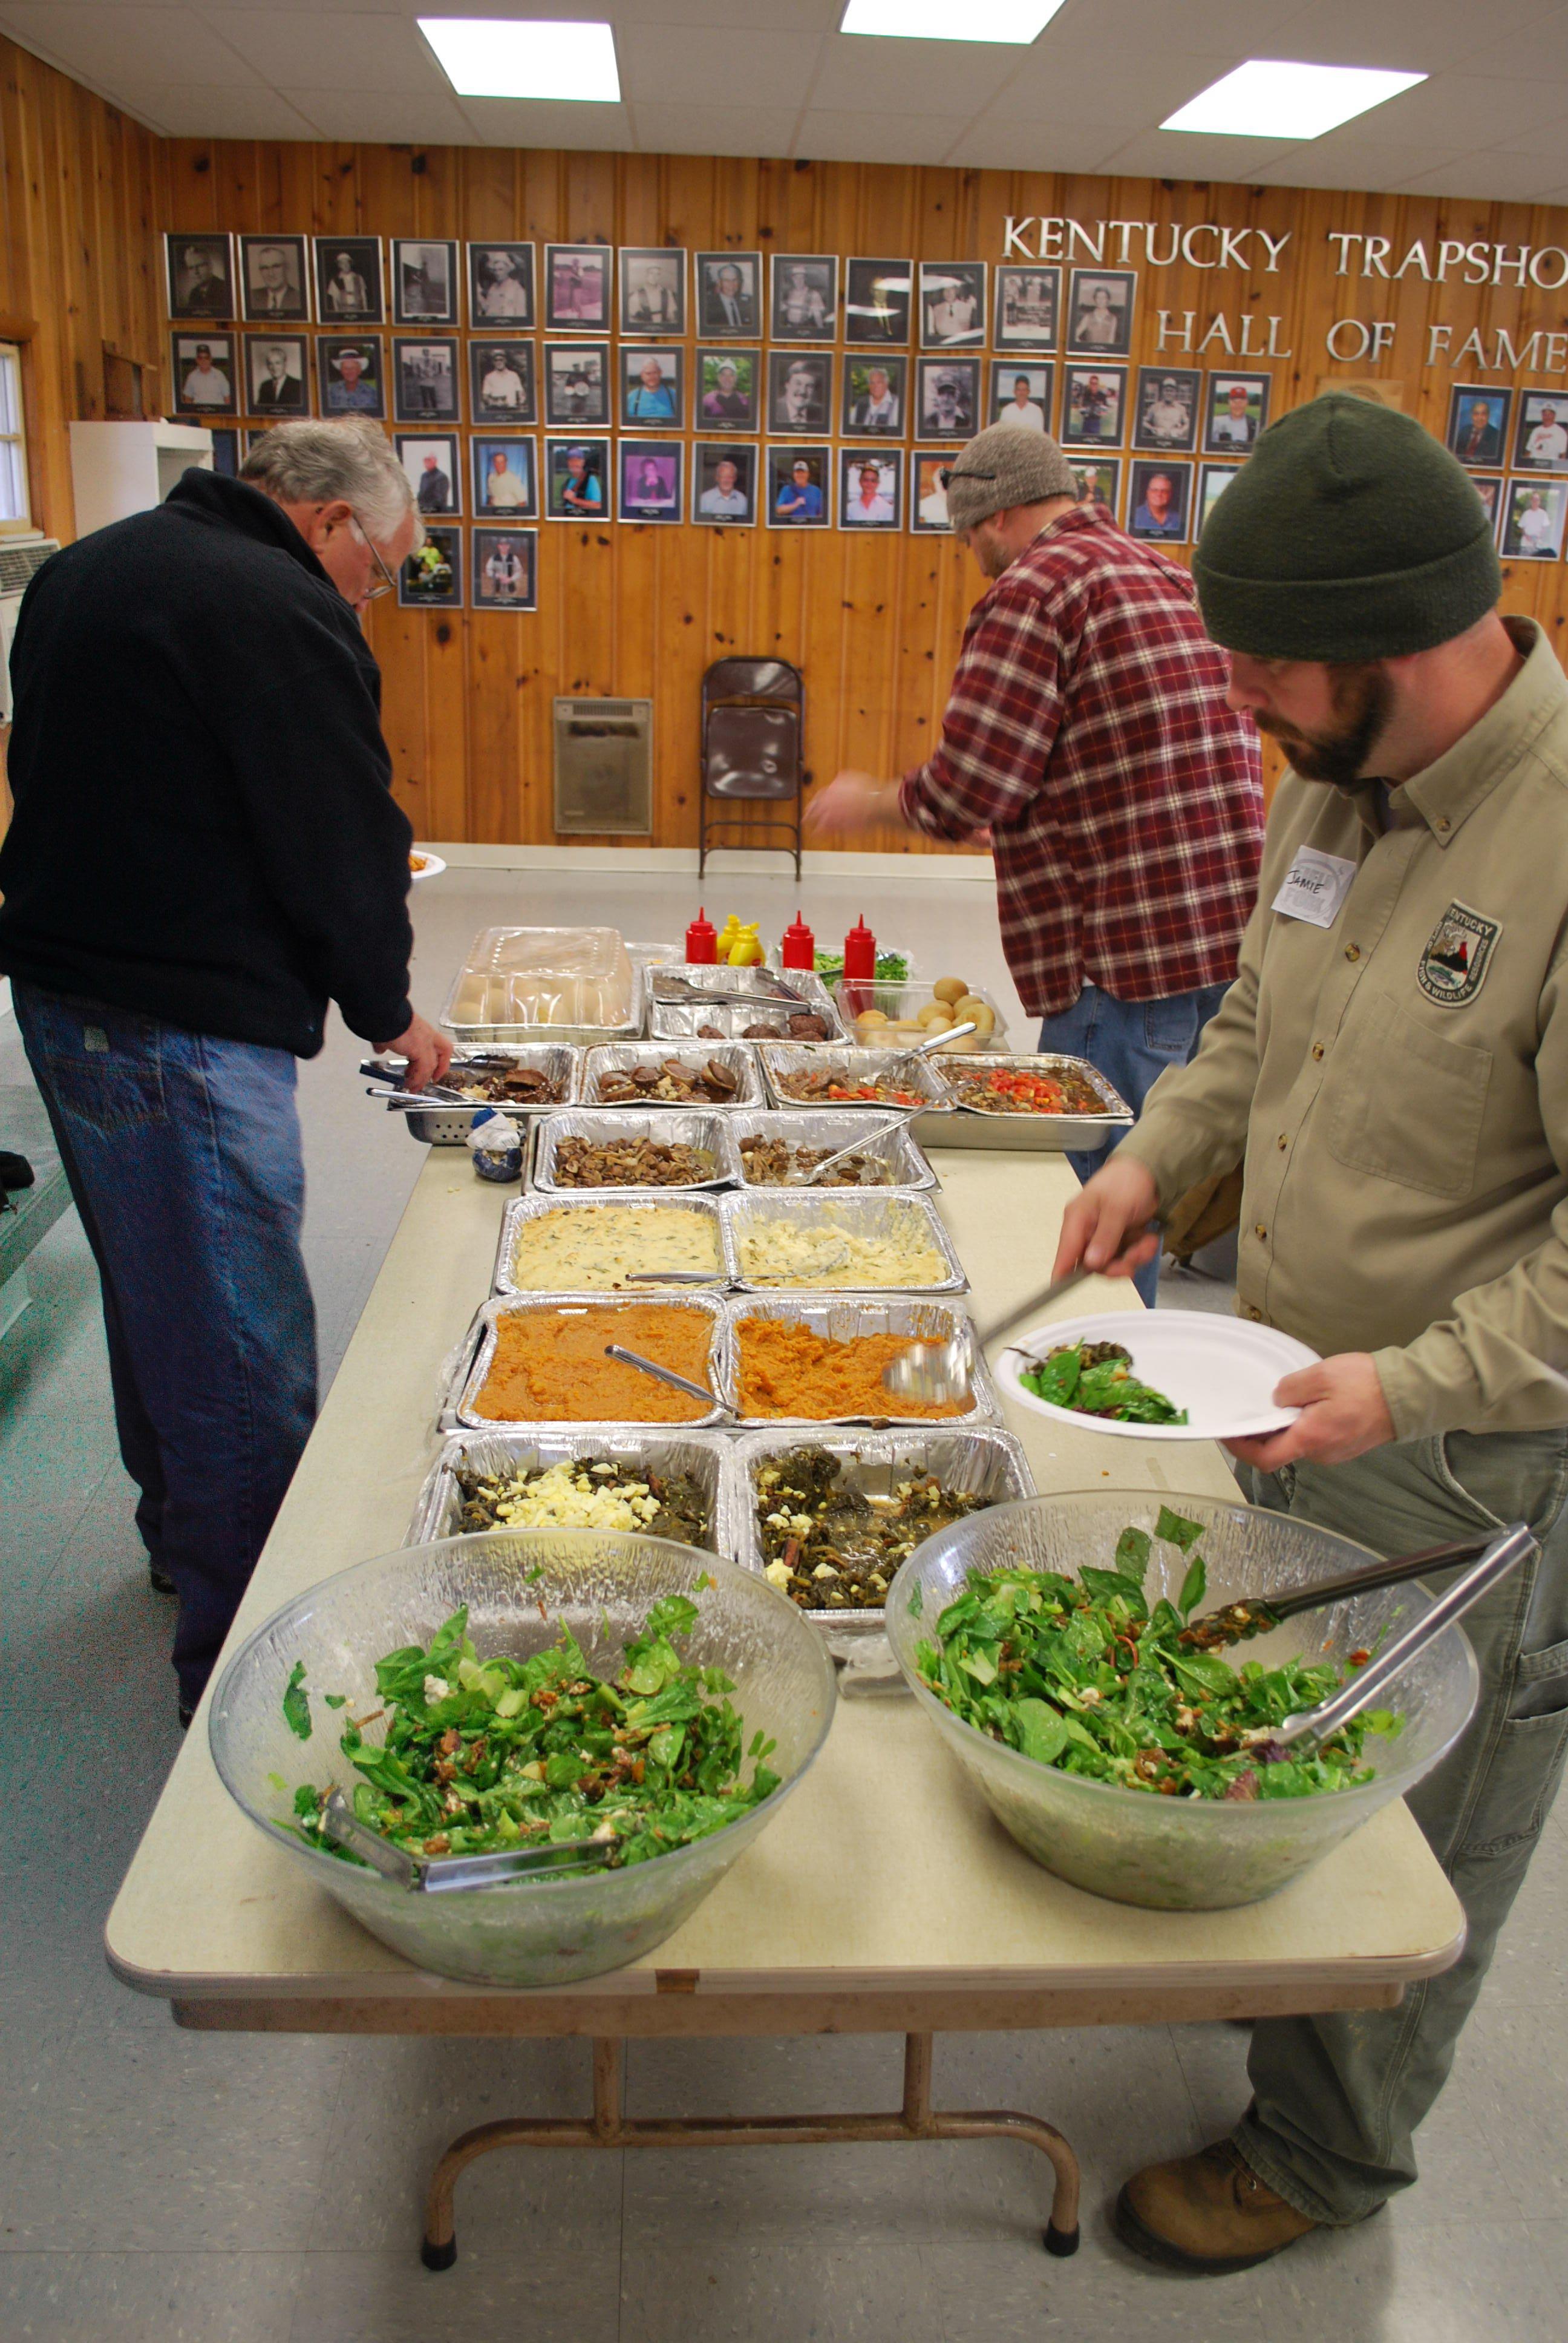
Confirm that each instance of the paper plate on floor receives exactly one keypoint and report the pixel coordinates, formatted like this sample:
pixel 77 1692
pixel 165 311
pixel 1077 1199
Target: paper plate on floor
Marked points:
pixel 1223 1371
pixel 422 865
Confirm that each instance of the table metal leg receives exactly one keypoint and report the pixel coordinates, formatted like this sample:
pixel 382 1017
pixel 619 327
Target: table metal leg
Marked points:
pixel 608 2126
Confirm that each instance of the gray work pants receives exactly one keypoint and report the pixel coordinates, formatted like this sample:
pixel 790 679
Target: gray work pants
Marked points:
pixel 1337 2099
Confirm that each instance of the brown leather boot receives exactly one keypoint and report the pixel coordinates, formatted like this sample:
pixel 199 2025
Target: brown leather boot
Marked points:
pixel 1208 2214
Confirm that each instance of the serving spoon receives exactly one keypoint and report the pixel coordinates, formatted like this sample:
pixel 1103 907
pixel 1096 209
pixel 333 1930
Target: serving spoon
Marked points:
pixel 710 1399
pixel 932 1373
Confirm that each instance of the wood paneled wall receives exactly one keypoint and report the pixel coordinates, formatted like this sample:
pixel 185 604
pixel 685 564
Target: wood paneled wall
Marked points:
pixel 874 622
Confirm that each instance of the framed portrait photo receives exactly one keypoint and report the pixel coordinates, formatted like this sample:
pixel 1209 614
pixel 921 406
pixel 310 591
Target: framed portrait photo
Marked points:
pixel 1165 412
pixel 799 391
pixel 799 487
pixel 348 289
pixel 947 397
pixel 577 287
pixel 1489 487
pixel 506 478
pixel 1213 479
pixel 652 480
pixel 225 456
pixel 203 371
pixel 424 281
pixel 1094 401
pixel 928 492
pixel 804 296
pixel 1099 482
pixel 728 293
pixel 502 382
pixel 577 382
pixel 575 471
pixel 351 375
pixel 501 286
pixel 200 272
pixel 652 288
pixel 878 303
pixel 1020 393
pixel 724 485
pixel 1478 424
pixel 653 387
pixel 275 279
pixel 1028 308
pixel 727 389
pixel 276 375
pixel 952 304
pixel 431 464
pixel 1541 432
pixel 1235 410
pixel 875 393
pixel 1099 310
pixel 432 578
pixel 425 380
pixel 1533 516
pixel 1160 501
pixel 506 569
pixel 871 488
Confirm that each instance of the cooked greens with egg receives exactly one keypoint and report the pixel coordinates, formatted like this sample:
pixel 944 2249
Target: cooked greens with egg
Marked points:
pixel 831 1546
pixel 585 1493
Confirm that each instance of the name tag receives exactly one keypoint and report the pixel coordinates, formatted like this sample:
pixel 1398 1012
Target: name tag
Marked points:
pixel 1314 887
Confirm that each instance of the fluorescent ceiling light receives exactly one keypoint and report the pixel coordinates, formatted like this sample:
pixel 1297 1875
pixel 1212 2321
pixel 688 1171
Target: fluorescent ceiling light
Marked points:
pixel 504 56
pixel 1266 99
pixel 1019 21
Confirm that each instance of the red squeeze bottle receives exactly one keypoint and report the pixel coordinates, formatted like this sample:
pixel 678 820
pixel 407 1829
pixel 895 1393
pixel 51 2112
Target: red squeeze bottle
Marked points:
pixel 798 948
pixel 702 940
pixel 859 950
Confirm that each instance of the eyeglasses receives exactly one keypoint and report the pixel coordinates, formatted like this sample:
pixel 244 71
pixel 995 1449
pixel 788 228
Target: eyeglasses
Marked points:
pixel 947 473
pixel 389 583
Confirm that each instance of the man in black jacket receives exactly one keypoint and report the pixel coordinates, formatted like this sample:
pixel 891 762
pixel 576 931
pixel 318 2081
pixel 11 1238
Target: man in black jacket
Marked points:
pixel 205 852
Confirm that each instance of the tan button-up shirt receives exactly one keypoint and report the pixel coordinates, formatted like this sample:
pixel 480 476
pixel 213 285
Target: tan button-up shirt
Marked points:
pixel 1399 1076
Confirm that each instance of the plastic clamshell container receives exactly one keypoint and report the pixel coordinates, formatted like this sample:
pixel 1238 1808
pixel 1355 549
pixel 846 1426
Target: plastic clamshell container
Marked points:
pixel 565 984
pixel 438 1509
pixel 830 1128
pixel 474 1364
pixel 620 1059
pixel 838 1318
pixel 705 1129
pixel 853 994
pixel 1184 1855
pixel 872 1213
pixel 523 1211
pixel 600 1584
pixel 782 1060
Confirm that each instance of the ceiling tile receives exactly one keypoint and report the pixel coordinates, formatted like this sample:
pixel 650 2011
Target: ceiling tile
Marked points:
pixel 1543 139
pixel 1117 30
pixel 1417 36
pixel 1189 155
pixel 1461 110
pixel 1046 89
pixel 389 117
pixel 196 113
pixel 542 122
pixel 930 77
pixel 830 137
pixel 992 145
pixel 1488 178
pixel 331 49
pixel 1368 163
pixel 1537 52
pixel 154 48
pixel 714 129
pixel 674 64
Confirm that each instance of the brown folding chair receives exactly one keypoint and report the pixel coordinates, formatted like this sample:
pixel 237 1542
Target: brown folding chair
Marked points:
pixel 753 731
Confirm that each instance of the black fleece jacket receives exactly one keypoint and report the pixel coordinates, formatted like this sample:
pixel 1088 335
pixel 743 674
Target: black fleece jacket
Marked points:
pixel 204 828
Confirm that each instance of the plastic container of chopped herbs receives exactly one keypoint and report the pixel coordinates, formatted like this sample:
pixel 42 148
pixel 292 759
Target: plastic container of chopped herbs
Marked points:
pixel 426 1685
pixel 1043 1640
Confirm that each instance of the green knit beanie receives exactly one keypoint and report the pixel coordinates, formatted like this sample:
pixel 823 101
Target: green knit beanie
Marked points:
pixel 1350 534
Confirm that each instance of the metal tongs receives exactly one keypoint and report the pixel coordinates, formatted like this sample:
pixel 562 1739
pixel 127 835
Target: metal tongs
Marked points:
pixel 1259 1615
pixel 863 1146
pixel 440 1098
pixel 425 1874
pixel 681 991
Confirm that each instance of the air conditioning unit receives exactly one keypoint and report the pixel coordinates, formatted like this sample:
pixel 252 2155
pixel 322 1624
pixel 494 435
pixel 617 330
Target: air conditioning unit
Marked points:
pixel 604 767
pixel 19 558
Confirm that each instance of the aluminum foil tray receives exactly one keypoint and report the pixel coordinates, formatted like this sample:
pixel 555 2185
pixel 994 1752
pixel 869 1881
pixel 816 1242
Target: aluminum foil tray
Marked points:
pixel 970 1126
pixel 524 1209
pixel 837 1317
pixel 677 1020
pixel 435 1128
pixel 438 1506
pixel 834 1127
pixel 866 1211
pixel 985 1461
pixel 702 1127
pixel 476 1355
pixel 780 1059
pixel 737 1055
pixel 573 1036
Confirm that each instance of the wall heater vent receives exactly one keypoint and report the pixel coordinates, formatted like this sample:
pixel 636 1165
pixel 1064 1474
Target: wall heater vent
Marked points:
pixel 604 767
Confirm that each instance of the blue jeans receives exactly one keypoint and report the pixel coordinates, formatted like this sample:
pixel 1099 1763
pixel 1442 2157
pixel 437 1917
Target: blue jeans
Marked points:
pixel 183 1155
pixel 1131 1043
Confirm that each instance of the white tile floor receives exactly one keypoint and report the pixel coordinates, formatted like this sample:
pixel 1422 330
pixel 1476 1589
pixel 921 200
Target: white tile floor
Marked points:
pixel 165 2187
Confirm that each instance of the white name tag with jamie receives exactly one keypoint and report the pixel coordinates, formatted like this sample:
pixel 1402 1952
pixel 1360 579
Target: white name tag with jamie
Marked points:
pixel 1315 885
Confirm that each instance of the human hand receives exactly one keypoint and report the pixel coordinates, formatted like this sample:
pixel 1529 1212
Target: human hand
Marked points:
pixel 850 802
pixel 429 1052
pixel 1117 1204
pixel 1343 1414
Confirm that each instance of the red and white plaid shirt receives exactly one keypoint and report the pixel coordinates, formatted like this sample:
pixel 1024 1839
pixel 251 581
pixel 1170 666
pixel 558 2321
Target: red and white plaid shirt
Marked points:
pixel 1088 727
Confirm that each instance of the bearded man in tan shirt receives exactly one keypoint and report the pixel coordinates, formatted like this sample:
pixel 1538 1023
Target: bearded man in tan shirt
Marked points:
pixel 1393 1061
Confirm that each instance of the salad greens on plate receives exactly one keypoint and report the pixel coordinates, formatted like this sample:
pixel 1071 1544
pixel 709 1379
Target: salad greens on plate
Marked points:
pixel 1097 1379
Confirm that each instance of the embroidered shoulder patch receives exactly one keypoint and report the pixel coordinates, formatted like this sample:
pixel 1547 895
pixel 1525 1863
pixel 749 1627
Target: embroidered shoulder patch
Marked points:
pixel 1454 964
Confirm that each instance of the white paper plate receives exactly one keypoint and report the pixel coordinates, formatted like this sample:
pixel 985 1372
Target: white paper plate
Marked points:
pixel 434 866
pixel 1223 1371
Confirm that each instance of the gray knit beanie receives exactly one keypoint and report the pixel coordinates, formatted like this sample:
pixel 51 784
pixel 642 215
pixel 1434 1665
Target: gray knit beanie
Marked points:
pixel 1002 468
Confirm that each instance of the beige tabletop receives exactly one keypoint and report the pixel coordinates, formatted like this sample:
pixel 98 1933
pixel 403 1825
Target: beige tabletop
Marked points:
pixel 884 1895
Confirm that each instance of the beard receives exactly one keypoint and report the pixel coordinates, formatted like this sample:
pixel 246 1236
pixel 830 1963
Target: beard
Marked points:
pixel 1362 701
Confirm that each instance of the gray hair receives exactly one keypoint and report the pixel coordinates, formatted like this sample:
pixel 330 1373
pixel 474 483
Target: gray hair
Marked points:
pixel 315 463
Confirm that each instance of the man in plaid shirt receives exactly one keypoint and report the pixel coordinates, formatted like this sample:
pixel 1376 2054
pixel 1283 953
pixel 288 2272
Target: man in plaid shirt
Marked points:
pixel 1087 733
